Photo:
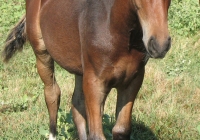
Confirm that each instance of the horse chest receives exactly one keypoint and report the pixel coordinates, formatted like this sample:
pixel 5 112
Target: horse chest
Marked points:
pixel 124 70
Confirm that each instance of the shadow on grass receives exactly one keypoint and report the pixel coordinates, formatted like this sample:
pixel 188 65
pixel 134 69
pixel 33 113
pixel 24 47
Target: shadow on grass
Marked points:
pixel 9 108
pixel 139 130
pixel 19 106
pixel 67 130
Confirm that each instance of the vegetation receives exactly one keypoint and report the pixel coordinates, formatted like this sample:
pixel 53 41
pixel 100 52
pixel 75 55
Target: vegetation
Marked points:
pixel 184 17
pixel 167 107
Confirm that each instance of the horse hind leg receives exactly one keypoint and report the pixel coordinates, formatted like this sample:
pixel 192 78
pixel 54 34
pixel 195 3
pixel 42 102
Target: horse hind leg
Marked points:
pixel 45 64
pixel 45 67
pixel 78 108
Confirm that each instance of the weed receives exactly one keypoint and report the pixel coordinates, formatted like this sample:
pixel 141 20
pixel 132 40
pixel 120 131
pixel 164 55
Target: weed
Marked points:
pixel 184 17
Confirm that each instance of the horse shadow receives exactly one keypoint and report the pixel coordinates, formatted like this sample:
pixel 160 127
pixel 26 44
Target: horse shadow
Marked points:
pixel 67 129
pixel 139 130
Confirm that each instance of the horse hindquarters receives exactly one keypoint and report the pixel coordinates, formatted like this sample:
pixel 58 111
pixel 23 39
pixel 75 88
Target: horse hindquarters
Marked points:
pixel 45 63
pixel 45 67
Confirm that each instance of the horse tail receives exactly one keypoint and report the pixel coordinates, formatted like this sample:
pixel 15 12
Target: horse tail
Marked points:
pixel 15 40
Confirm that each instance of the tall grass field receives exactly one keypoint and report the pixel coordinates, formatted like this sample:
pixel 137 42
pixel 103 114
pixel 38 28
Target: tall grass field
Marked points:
pixel 167 106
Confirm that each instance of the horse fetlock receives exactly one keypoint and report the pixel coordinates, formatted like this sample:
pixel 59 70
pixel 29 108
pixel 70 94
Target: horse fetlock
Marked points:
pixel 96 137
pixel 121 133
pixel 118 136
pixel 52 137
pixel 52 128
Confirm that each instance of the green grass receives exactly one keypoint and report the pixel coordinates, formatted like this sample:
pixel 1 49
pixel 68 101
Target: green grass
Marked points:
pixel 167 107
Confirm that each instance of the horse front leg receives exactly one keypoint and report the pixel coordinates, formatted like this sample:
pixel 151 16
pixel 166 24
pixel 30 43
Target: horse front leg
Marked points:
pixel 78 108
pixel 95 96
pixel 125 101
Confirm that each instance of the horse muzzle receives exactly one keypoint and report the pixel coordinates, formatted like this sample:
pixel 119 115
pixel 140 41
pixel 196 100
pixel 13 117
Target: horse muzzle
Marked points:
pixel 156 49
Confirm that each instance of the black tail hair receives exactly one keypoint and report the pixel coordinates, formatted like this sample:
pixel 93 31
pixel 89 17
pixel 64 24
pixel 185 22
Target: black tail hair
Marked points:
pixel 15 40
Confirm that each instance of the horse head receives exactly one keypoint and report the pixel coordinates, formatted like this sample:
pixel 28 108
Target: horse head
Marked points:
pixel 153 19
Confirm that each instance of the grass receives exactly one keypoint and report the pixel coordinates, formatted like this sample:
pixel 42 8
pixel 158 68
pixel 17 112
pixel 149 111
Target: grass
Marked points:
pixel 167 107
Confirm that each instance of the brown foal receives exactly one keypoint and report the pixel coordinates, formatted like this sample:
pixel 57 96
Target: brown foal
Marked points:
pixel 105 43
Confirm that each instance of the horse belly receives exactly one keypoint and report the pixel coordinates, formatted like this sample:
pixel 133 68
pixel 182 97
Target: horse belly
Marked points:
pixel 59 27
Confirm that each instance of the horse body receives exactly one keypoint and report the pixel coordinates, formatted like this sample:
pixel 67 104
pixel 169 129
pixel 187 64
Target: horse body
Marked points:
pixel 106 44
pixel 87 33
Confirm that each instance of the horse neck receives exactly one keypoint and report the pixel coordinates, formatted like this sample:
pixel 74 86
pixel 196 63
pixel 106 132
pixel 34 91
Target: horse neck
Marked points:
pixel 123 16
